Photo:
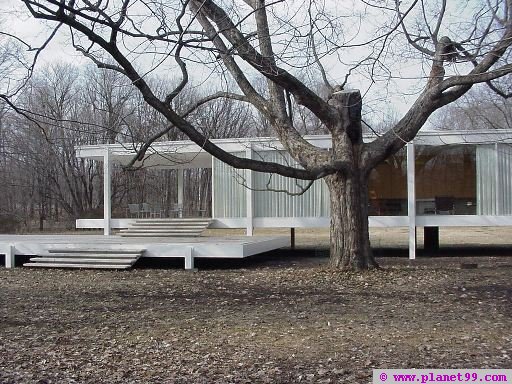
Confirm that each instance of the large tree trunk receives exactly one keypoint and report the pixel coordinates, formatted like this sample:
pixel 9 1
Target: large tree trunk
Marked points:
pixel 350 239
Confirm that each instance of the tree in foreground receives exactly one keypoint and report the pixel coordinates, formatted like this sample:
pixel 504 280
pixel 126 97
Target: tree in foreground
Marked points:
pixel 446 48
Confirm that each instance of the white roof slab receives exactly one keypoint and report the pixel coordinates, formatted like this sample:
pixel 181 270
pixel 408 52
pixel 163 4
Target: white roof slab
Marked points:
pixel 186 154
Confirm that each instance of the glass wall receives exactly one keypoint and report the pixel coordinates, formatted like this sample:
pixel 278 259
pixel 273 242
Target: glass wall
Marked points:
pixel 268 203
pixel 458 179
pixel 387 188
pixel 229 192
pixel 494 179
pixel 446 179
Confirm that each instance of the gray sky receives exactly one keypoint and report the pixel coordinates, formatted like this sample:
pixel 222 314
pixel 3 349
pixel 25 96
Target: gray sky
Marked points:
pixel 385 97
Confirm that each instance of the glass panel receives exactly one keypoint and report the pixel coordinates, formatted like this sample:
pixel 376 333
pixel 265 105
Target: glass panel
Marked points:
pixel 486 179
pixel 494 179
pixel 387 187
pixel 229 191
pixel 446 179
pixel 504 156
pixel 312 203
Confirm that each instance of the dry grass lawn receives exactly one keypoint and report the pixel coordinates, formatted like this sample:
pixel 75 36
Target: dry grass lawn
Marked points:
pixel 276 318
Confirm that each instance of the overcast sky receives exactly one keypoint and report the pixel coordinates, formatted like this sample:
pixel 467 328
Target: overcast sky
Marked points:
pixel 382 98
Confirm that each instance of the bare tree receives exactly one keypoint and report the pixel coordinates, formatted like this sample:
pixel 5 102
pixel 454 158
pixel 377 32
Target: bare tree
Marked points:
pixel 480 109
pixel 46 143
pixel 107 95
pixel 253 39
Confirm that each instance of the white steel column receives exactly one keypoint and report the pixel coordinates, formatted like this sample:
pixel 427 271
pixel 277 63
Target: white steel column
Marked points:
pixel 9 256
pixel 107 192
pixel 189 258
pixel 249 196
pixel 180 192
pixel 212 181
pixel 411 199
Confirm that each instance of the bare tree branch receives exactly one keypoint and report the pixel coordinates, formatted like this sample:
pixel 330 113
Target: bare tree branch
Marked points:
pixel 265 65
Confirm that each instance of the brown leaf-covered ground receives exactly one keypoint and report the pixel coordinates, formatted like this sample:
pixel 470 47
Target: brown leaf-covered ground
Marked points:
pixel 277 318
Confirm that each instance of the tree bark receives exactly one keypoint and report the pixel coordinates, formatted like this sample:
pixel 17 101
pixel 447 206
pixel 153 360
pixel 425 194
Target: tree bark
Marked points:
pixel 350 240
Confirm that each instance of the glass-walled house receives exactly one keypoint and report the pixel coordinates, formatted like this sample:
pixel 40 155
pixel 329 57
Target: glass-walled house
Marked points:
pixel 445 182
pixel 442 178
pixel 446 179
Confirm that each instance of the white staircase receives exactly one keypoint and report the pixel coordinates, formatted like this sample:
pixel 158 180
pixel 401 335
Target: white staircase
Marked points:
pixel 86 258
pixel 189 227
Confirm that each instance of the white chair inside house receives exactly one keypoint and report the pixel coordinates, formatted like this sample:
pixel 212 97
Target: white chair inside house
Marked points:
pixel 157 211
pixel 445 205
pixel 145 210
pixel 133 210
pixel 202 212
pixel 177 210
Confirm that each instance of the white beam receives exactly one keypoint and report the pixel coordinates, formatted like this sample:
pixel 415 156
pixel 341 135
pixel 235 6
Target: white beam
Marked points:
pixel 180 191
pixel 107 191
pixel 249 194
pixel 213 188
pixel 411 199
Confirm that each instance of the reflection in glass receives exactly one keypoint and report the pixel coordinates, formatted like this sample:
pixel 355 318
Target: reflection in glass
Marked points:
pixel 446 180
pixel 387 188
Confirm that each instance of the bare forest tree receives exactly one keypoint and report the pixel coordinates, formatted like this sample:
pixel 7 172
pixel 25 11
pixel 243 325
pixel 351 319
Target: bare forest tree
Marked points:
pixel 64 106
pixel 51 178
pixel 480 109
pixel 451 45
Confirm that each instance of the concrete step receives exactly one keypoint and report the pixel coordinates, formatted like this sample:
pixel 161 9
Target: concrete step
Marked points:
pixel 86 257
pixel 91 250
pixel 95 254
pixel 166 227
pixel 159 234
pixel 72 265
pixel 172 222
pixel 79 260
pixel 161 229
pixel 177 219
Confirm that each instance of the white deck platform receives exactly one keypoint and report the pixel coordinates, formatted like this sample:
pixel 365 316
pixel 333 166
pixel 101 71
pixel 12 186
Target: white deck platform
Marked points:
pixel 187 248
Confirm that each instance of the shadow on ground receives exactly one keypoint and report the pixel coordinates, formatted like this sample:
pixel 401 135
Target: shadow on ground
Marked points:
pixel 309 257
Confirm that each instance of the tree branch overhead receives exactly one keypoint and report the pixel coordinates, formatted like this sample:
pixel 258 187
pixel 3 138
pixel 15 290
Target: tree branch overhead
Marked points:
pixel 291 63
